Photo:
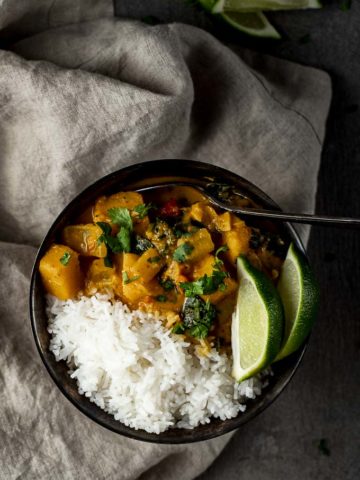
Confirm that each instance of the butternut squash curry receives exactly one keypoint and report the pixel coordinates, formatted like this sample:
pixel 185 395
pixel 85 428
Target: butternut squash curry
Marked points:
pixel 175 256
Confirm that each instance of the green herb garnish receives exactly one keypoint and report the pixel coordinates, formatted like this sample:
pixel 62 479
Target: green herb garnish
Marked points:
pixel 182 252
pixel 154 259
pixel 120 243
pixel 178 328
pixel 121 216
pixel 161 298
pixel 143 209
pixel 127 279
pixel 218 261
pixel 107 261
pixel 167 284
pixel 198 316
pixel 65 259
pixel 206 284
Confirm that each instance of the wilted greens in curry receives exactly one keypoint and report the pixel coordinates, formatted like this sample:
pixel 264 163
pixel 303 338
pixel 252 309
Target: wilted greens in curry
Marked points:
pixel 175 255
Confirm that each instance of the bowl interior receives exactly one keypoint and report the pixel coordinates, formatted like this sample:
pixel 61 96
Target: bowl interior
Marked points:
pixel 129 178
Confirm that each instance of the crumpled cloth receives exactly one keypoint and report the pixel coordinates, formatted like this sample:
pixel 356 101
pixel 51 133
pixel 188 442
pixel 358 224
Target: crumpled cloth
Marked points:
pixel 81 95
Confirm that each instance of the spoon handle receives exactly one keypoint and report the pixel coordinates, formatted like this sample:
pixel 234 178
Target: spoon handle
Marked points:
pixel 343 222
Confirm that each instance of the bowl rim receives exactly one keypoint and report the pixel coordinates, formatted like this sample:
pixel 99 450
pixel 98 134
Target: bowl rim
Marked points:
pixel 141 435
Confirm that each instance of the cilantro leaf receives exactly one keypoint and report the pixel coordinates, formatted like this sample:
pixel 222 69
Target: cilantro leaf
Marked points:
pixel 167 284
pixel 143 209
pixel 345 5
pixel 218 261
pixel 178 328
pixel 126 279
pixel 124 240
pixel 65 259
pixel 121 216
pixel 183 251
pixel 154 259
pixel 161 298
pixel 205 285
pixel 107 261
pixel 198 316
pixel 105 227
pixel 323 447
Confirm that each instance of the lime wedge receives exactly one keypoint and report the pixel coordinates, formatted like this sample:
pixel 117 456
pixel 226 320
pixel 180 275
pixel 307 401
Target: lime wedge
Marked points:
pixel 220 6
pixel 300 297
pixel 257 323
pixel 255 24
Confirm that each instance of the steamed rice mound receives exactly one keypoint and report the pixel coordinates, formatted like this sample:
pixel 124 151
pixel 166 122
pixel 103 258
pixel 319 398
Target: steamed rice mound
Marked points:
pixel 134 368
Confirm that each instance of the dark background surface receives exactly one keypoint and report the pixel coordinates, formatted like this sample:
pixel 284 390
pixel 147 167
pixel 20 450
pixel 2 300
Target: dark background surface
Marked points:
pixel 312 430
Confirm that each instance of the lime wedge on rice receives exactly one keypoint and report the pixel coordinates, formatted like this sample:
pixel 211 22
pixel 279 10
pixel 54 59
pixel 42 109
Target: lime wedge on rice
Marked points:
pixel 300 297
pixel 221 6
pixel 257 323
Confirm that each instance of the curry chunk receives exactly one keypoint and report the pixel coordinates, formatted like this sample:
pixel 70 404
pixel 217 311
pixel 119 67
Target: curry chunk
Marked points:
pixel 119 200
pixel 237 239
pixel 200 245
pixel 84 239
pixel 147 266
pixel 100 278
pixel 60 272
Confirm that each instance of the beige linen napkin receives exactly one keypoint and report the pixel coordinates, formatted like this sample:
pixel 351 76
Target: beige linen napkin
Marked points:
pixel 80 99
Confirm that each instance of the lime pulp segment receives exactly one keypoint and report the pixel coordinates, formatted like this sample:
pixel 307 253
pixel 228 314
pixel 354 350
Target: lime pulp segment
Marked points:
pixel 257 324
pixel 221 6
pixel 255 24
pixel 300 297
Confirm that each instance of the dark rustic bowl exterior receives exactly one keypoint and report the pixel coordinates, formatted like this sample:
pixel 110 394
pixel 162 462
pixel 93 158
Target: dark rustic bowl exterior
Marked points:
pixel 131 177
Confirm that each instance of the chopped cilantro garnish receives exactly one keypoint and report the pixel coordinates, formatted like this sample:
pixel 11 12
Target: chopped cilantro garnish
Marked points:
pixel 178 328
pixel 198 316
pixel 167 284
pixel 161 298
pixel 127 279
pixel 218 261
pixel 121 216
pixel 183 251
pixel 124 240
pixel 107 261
pixel 65 259
pixel 143 209
pixel 207 284
pixel 154 259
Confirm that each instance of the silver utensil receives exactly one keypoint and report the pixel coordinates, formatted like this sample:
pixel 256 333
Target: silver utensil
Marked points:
pixel 324 220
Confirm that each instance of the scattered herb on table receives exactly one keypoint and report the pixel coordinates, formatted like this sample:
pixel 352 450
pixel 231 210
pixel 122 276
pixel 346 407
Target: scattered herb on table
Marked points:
pixel 65 259
pixel 323 447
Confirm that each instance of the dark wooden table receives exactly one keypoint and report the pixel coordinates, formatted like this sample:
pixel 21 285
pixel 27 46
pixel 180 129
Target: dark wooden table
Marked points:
pixel 312 430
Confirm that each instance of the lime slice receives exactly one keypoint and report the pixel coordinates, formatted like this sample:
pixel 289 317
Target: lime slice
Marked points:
pixel 257 323
pixel 300 297
pixel 255 24
pixel 220 6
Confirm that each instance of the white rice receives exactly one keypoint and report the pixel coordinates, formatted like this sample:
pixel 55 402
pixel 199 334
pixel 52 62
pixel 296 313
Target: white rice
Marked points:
pixel 131 366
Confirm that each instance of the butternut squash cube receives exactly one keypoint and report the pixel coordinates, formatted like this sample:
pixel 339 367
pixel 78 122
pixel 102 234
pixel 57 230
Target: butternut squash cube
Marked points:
pixel 60 272
pixel 237 239
pixel 119 200
pixel 201 243
pixel 84 239
pixel 100 278
pixel 147 266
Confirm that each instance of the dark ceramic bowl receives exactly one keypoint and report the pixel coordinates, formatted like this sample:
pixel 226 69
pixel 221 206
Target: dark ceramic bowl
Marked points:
pixel 130 178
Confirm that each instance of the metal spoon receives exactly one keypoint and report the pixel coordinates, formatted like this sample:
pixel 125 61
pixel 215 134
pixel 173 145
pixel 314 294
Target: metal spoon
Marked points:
pixel 325 220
